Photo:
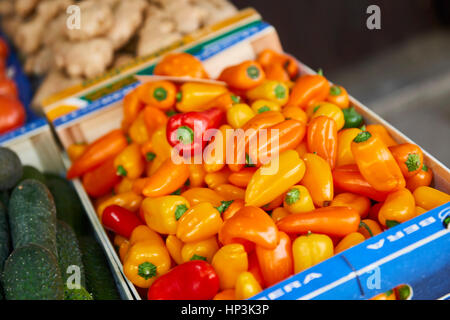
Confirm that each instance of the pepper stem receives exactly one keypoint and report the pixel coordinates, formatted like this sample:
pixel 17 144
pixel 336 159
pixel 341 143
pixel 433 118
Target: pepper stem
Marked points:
pixel 185 135
pixel 147 270
pixel 160 94
pixel 253 72
pixel 362 136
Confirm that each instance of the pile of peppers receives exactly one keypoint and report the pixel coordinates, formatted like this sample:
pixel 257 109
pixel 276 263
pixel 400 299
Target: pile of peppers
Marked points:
pixel 225 230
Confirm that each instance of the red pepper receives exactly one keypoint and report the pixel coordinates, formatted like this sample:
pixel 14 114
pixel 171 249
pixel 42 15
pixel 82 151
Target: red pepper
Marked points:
pixel 181 133
pixel 193 280
pixel 348 178
pixel 120 220
pixel 101 180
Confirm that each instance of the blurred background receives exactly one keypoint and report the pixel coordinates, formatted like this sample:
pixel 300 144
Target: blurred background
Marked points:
pixel 401 71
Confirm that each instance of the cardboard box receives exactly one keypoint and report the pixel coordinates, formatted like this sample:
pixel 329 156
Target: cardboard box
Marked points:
pixel 396 252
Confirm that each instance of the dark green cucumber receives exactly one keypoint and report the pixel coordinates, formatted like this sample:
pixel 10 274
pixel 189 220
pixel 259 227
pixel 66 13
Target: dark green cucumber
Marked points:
pixel 32 216
pixel 77 294
pixel 32 273
pixel 68 206
pixel 10 168
pixel 4 197
pixel 5 245
pixel 30 172
pixel 69 254
pixel 99 279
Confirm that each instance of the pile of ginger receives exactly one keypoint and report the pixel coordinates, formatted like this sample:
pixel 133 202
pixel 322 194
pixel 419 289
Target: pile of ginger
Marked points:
pixel 111 33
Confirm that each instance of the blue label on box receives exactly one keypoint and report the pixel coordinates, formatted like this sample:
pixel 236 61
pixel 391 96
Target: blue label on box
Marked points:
pixel 415 252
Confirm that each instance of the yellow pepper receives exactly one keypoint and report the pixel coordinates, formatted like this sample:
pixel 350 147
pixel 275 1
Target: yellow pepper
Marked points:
pixel 279 213
pixel 123 250
pixel 198 195
pixel 144 233
pixel 261 105
pixel 174 246
pixel 161 146
pixel 138 130
pixel 344 153
pixel 230 192
pixel 204 250
pixel 125 185
pixel 162 213
pixel 118 240
pixel 430 198
pixel 200 222
pixel 193 96
pixel 215 179
pixel 129 163
pixel 398 207
pixel 153 166
pixel 74 151
pixel 128 200
pixel 420 210
pixel 196 175
pixel 215 159
pixel 265 187
pixel 275 91
pixel 318 179
pixel 350 240
pixel 311 249
pixel 296 113
pixel 144 262
pixel 239 114
pixel 360 203
pixel 229 262
pixel 246 286
pixel 332 111
pixel 298 199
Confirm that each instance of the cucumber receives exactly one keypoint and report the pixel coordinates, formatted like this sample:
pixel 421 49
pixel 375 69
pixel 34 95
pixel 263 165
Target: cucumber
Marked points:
pixel 32 273
pixel 10 168
pixel 69 253
pixel 100 282
pixel 77 294
pixel 30 172
pixel 4 197
pixel 32 216
pixel 68 206
pixel 5 246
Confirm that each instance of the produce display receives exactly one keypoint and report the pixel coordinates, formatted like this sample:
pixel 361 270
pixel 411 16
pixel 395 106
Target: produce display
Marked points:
pixel 44 237
pixel 110 33
pixel 12 112
pixel 189 221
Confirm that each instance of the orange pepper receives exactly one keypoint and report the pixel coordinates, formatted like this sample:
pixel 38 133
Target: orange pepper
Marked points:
pixel 344 142
pixel 123 250
pixel 168 178
pixel 215 159
pixel 159 94
pixel 275 203
pixel 422 178
pixel 227 294
pixel 269 57
pixel 174 246
pixel 388 295
pixel 288 134
pixel 128 200
pixel 132 105
pixel 262 120
pixel 198 195
pixel 409 158
pixel 98 152
pixel 229 262
pixel 369 228
pixel 147 151
pixel 322 139
pixel 308 88
pixel 242 177
pixel 382 133
pixel 430 198
pixel 332 221
pixel 246 286
pixel 197 175
pixel 339 96
pixel 253 224
pixel 101 180
pixel 296 113
pixel 302 149
pixel 154 119
pixel 232 208
pixel 376 163
pixel 420 210
pixel 230 192
pixel 224 101
pixel 243 76
pixel 129 163
pixel 215 179
pixel 350 240
pixel 276 72
pixel 75 150
pixel 374 210
pixel 359 203
pixel 276 264
pixel 137 131
pixel 318 179
pixel 200 250
pixel 253 267
pixel 398 207
pixel 199 223
pixel 180 65
pixel 279 213
pixel 144 233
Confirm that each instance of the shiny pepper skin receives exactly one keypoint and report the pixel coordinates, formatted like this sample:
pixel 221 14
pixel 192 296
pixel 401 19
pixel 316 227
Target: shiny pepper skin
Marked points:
pixel 339 96
pixel 243 76
pixel 167 179
pixel 318 179
pixel 229 262
pixel 311 249
pixel 344 151
pixel 180 65
pixel 322 138
pixel 430 198
pixel 298 199
pixel 398 207
pixel 359 203
pixel 246 286
pixel 129 163
pixel 331 111
pixel 350 240
pixel 308 88
pixel 409 158
pixel 420 179
pixel 200 250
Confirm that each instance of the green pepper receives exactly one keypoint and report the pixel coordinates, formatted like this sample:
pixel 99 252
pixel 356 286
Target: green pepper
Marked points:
pixel 352 118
